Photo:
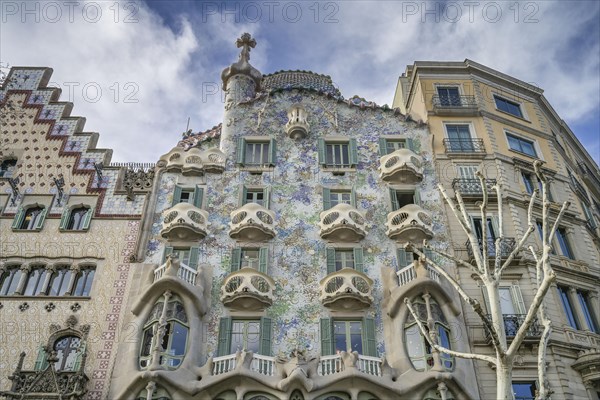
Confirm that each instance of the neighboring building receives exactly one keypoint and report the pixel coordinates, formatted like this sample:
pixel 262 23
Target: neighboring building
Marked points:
pixel 482 119
pixel 264 258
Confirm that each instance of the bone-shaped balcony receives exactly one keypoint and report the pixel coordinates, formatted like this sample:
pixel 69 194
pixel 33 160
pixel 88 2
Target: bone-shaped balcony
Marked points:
pixel 184 221
pixel 401 166
pixel 252 223
pixel 346 289
pixel 342 223
pixel 409 224
pixel 213 160
pixel 247 290
pixel 194 161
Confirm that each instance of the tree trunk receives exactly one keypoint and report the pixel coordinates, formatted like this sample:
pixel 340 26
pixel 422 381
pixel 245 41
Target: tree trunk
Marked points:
pixel 504 382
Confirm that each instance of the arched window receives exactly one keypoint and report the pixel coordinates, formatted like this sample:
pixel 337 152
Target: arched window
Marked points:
pixel 30 218
pixel 173 346
pixel 7 167
pixel 76 218
pixel 10 280
pixel 59 285
pixel 419 350
pixel 83 284
pixel 67 353
pixel 35 281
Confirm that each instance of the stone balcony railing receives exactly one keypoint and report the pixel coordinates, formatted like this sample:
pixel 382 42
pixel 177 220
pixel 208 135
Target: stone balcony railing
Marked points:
pixel 346 289
pixel 409 224
pixel 401 166
pixel 184 221
pixel 410 273
pixel 342 223
pixel 193 161
pixel 252 223
pixel 185 273
pixel 247 290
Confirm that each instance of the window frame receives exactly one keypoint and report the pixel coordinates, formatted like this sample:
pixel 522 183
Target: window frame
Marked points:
pixel 395 203
pixel 368 339
pixel 40 280
pixel 271 152
pixel 327 191
pixel 225 342
pixel 459 91
pixel 384 140
pixel 14 273
pixel 38 221
pixel 518 105
pixel 352 155
pixel 566 249
pixel 331 258
pixel 67 217
pixel 86 274
pixel 568 308
pixel 533 385
pixel 194 254
pixel 465 145
pixel 64 288
pixel 197 195
pixel 537 154
pixel 587 311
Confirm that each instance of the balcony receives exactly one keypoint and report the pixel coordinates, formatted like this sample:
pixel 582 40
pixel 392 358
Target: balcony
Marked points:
pixel 507 245
pixel 401 166
pixel 213 160
pixel 184 221
pixel 252 223
pixel 193 162
pixel 45 384
pixel 512 323
pixel 247 290
pixel 455 105
pixel 409 224
pixel 411 272
pixel 182 271
pixel 471 187
pixel 464 147
pixel 590 176
pixel 346 289
pixel 342 223
pixel 329 365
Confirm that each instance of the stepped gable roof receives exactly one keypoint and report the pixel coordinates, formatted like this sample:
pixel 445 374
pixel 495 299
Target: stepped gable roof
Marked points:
pixel 191 139
pixel 286 80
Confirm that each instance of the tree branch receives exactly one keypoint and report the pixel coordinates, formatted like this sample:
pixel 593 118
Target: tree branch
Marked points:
pixel 500 239
pixel 484 227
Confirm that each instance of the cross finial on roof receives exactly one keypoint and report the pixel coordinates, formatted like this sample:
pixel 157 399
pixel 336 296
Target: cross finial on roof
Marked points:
pixel 246 41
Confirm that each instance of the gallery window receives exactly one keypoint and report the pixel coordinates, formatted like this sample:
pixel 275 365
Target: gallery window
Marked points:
pixel 348 335
pixel 338 153
pixel 10 280
pixel 30 218
pixel 250 334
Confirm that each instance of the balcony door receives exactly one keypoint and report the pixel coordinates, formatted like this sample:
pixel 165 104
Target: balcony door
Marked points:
pixel 449 96
pixel 459 137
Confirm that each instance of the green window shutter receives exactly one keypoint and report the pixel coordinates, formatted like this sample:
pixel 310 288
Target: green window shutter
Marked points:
pixel 64 219
pixel 403 258
pixel 40 221
pixel 369 342
pixel 515 291
pixel 382 147
pixel 41 362
pixel 198 196
pixel 352 148
pixel 79 358
pixel 87 219
pixel 265 336
pixel 272 152
pixel 267 197
pixel 395 204
pixel 224 342
pixel 327 344
pixel 486 298
pixel 321 152
pixel 417 197
pixel 326 199
pixel 236 259
pixel 176 195
pixel 241 151
pixel 194 253
pixel 410 144
pixel 18 218
pixel 330 260
pixel 168 250
pixel 358 259
pixel 353 197
pixel 244 193
pixel 263 259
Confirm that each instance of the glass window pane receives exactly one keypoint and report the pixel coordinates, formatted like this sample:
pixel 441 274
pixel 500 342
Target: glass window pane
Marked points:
pixel 179 340
pixel 253 336
pixel 568 309
pixel 249 258
pixel 147 341
pixel 237 336
pixel 339 334
pixel 561 237
pixel 589 319
pixel 524 390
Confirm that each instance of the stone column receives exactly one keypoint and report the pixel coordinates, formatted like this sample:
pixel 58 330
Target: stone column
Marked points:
pixel 437 362
pixel 150 388
pixel 159 334
pixel 25 268
pixel 75 269
pixel 50 270
pixel 579 316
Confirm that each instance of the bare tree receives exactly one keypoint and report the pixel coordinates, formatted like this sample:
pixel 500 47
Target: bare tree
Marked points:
pixel 489 271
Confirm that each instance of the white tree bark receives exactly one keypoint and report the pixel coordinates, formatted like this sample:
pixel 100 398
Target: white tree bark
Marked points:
pixel 489 272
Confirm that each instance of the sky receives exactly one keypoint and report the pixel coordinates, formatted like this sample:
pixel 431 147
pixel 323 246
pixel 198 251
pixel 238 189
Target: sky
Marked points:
pixel 138 71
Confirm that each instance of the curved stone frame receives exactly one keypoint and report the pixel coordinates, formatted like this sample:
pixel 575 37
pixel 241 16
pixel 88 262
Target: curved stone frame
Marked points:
pixel 56 332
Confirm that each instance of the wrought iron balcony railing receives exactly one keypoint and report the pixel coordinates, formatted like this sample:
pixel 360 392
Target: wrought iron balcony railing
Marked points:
pixel 469 187
pixel 454 102
pixel 507 245
pixel 464 146
pixel 512 323
pixel 589 174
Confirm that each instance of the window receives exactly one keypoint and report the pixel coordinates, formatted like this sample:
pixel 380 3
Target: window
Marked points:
pixel 188 195
pixel 524 390
pixel 256 258
pixel 491 232
pixel 401 198
pixel 508 106
pixel 540 229
pixel 187 256
pixel 259 196
pixel 568 307
pixel 76 218
pixel 449 96
pixel 348 335
pixel 256 153
pixel 406 258
pixel 244 334
pixel 67 353
pixel 389 145
pixel 591 220
pixel 418 348
pixel 35 281
pixel 459 138
pixel 467 171
pixel 588 313
pixel 563 243
pixel 174 341
pixel 7 167
pixel 513 309
pixel 521 145
pixel 338 154
pixel 10 281
pixel 338 259
pixel 30 218
pixel 333 197
pixel 531 182
pixel 59 283
pixel 83 282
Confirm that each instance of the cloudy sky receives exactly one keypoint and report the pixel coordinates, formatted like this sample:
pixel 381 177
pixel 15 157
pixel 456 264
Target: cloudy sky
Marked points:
pixel 138 70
